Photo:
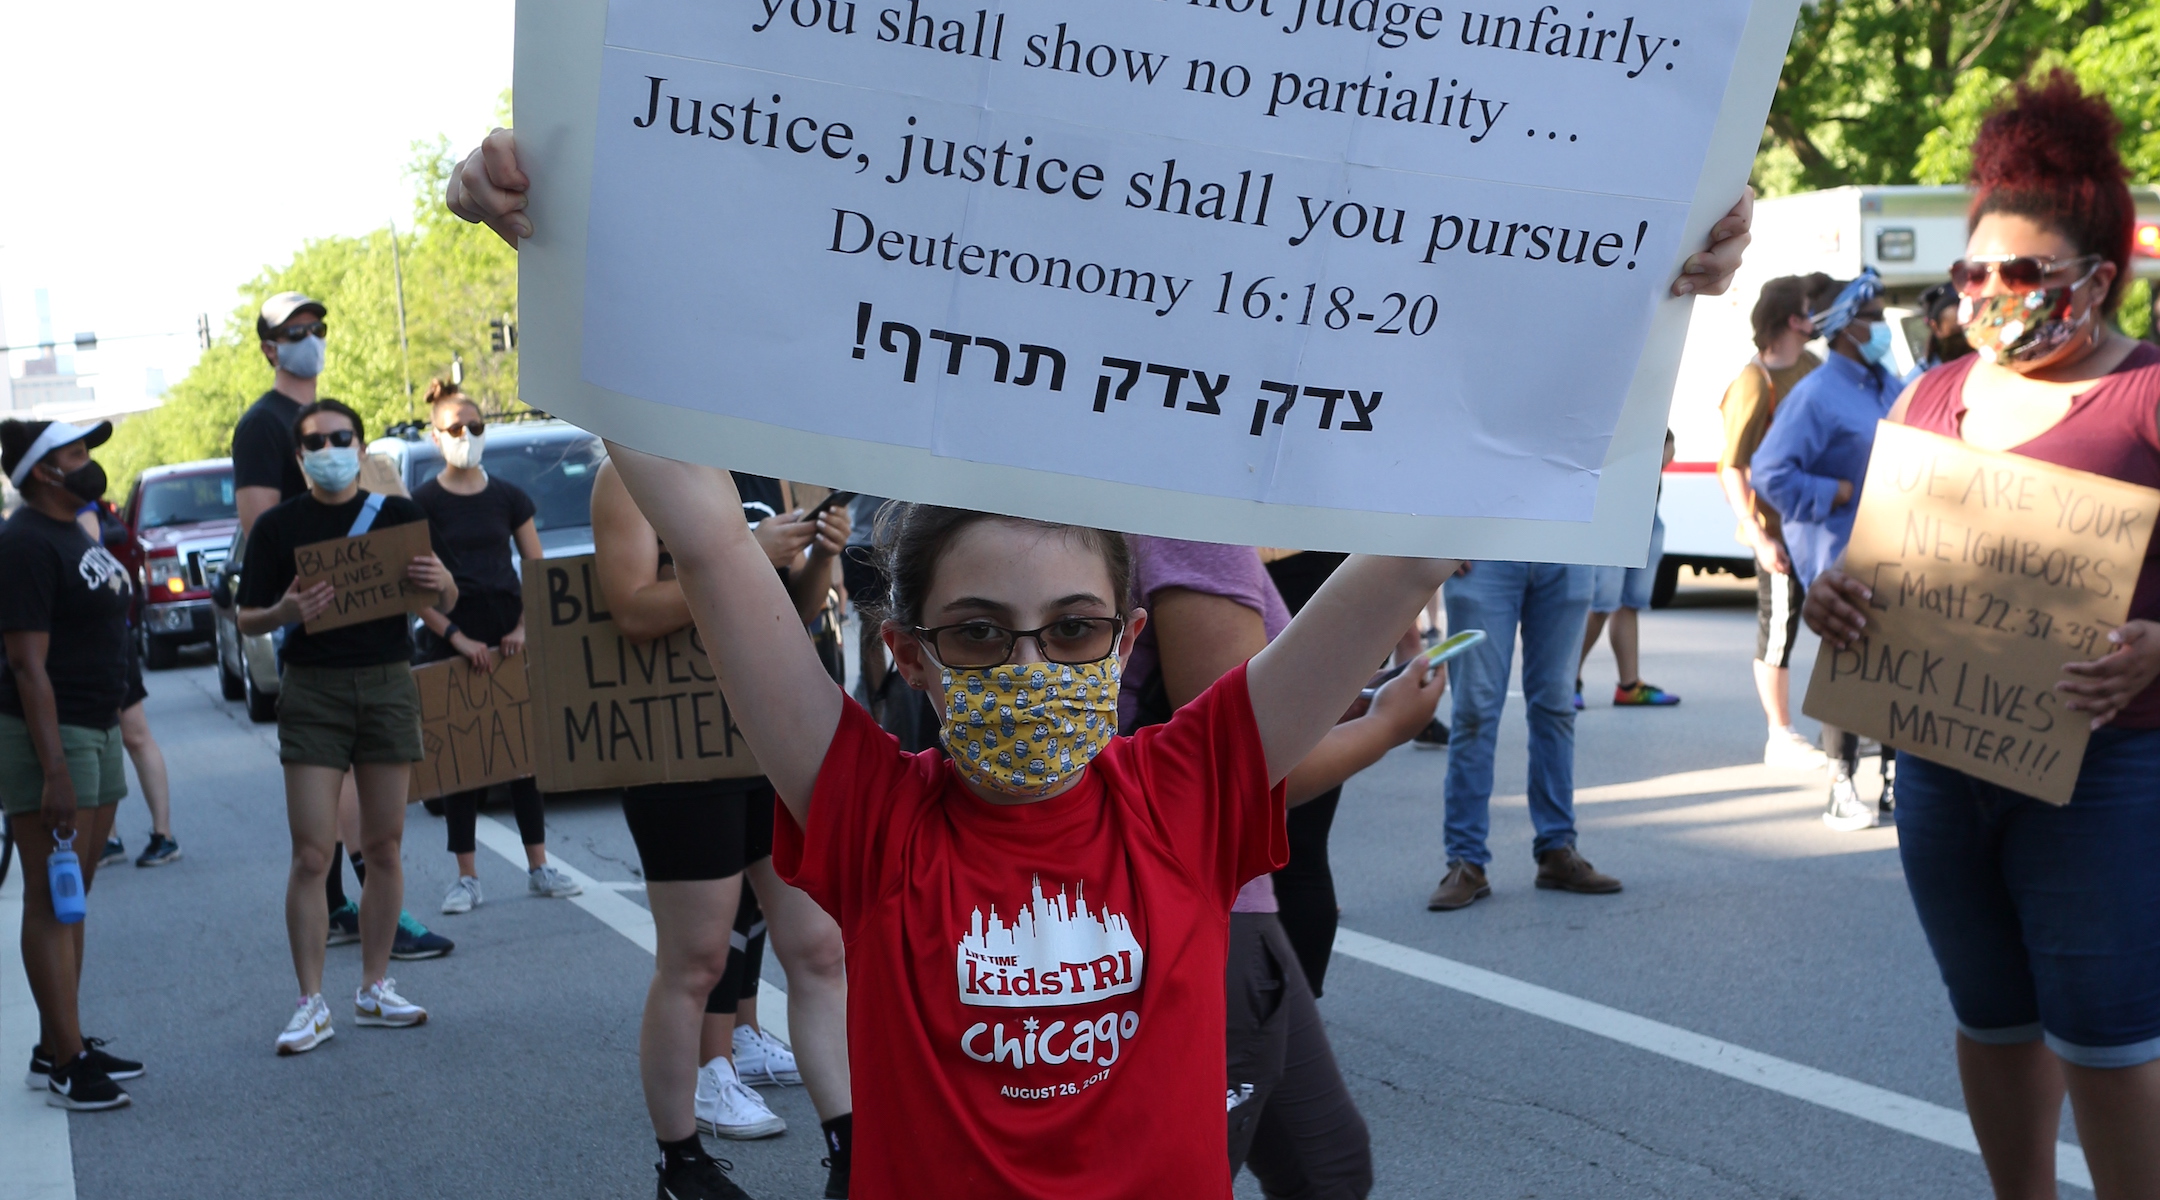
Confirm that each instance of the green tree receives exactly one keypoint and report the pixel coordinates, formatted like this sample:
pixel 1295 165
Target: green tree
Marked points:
pixel 1889 91
pixel 457 279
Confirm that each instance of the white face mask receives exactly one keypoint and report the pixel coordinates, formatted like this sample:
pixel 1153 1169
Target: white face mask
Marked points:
pixel 464 450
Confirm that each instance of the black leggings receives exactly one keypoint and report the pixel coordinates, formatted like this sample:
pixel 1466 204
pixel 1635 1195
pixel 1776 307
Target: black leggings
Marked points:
pixel 1305 887
pixel 745 958
pixel 461 814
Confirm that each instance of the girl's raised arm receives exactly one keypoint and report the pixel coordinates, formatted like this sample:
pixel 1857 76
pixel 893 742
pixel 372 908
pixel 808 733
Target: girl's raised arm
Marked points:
pixel 1303 681
pixel 776 687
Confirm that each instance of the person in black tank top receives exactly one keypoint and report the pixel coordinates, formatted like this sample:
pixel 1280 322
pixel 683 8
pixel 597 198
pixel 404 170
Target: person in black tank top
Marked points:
pixel 481 517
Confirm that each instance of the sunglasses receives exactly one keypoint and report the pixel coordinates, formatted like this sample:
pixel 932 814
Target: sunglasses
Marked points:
pixel 300 333
pixel 336 437
pixel 2019 272
pixel 461 428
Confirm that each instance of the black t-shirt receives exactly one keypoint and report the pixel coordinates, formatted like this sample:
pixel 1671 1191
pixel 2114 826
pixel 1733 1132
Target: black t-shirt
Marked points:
pixel 478 529
pixel 62 584
pixel 264 453
pixel 268 570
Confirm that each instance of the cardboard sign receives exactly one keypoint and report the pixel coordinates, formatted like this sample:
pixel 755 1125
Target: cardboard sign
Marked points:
pixel 380 473
pixel 1990 571
pixel 369 574
pixel 610 712
pixel 475 728
pixel 1277 275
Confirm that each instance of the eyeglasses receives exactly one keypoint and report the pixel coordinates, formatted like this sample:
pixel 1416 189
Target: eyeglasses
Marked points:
pixel 300 333
pixel 2019 272
pixel 336 437
pixel 1067 641
pixel 461 428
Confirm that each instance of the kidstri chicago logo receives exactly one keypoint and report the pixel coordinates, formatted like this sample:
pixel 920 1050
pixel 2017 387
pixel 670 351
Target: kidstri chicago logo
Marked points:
pixel 1055 952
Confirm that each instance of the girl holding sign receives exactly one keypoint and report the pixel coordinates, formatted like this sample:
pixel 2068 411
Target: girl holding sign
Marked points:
pixel 2045 920
pixel 348 703
pixel 482 517
pixel 1037 915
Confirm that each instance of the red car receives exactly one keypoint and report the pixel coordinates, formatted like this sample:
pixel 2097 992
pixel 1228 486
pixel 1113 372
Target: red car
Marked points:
pixel 180 521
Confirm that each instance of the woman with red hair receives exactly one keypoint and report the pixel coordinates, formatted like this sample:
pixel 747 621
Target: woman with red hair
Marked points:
pixel 2045 920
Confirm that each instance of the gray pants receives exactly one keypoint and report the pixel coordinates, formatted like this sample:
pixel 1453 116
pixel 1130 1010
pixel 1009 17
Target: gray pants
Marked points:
pixel 1291 1120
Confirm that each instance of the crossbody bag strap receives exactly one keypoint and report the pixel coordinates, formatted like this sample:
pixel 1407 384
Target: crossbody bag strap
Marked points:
pixel 366 520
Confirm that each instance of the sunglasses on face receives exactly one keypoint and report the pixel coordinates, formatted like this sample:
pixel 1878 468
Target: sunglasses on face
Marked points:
pixel 461 428
pixel 300 333
pixel 336 437
pixel 2018 272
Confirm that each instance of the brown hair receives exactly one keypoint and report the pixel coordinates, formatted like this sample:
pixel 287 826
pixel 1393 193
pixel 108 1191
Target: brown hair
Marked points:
pixel 1783 298
pixel 911 538
pixel 442 391
pixel 2048 154
pixel 328 405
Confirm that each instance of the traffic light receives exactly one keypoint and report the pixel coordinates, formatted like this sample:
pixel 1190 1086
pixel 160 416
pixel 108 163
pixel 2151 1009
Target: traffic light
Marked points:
pixel 502 334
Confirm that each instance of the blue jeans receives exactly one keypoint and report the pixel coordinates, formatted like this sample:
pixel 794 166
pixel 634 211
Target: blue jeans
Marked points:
pixel 2044 921
pixel 1549 603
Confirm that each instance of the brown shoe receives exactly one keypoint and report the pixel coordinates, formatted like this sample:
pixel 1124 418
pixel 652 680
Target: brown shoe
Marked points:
pixel 1567 871
pixel 1459 888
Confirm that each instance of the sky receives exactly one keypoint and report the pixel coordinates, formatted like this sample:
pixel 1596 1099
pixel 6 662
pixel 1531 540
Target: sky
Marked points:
pixel 161 154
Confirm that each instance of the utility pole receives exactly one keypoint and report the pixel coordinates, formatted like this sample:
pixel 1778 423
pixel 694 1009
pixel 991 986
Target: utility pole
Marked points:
pixel 397 273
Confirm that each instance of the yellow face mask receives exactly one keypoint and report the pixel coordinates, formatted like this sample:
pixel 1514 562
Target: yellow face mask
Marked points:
pixel 1027 729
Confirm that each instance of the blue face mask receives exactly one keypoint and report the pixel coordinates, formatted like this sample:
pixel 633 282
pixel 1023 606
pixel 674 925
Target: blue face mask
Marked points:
pixel 1877 347
pixel 303 358
pixel 332 468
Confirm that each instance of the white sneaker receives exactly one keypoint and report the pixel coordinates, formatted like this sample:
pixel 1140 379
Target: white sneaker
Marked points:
pixel 725 1108
pixel 547 881
pixel 379 1004
pixel 761 1058
pixel 309 1027
pixel 1787 750
pixel 463 896
pixel 1846 812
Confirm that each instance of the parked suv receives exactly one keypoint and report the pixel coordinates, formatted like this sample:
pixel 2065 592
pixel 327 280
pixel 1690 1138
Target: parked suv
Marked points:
pixel 553 461
pixel 180 520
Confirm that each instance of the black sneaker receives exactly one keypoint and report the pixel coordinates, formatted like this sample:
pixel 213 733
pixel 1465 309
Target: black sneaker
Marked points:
pixel 160 851
pixel 704 1179
pixel 1433 737
pixel 415 940
pixel 836 1177
pixel 81 1087
pixel 115 852
pixel 112 1065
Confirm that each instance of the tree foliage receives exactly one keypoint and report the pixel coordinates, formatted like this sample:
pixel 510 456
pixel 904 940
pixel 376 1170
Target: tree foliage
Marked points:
pixel 457 278
pixel 1892 91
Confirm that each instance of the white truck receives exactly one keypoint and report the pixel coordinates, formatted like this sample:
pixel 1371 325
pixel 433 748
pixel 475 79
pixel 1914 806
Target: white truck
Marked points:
pixel 1910 235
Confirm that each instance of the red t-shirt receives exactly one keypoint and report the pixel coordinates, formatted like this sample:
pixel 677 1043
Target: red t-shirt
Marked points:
pixel 1035 991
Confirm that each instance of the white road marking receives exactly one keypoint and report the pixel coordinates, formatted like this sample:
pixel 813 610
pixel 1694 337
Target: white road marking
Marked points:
pixel 1932 1122
pixel 33 1135
pixel 633 921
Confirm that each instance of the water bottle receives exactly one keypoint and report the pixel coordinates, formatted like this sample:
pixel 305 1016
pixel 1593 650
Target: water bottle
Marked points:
pixel 64 871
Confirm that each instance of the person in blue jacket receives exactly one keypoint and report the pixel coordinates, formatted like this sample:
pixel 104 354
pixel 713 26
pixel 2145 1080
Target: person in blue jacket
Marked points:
pixel 1810 467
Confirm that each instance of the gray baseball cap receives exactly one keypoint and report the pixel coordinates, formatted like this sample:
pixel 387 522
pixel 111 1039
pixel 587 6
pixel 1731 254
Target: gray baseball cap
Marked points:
pixel 280 308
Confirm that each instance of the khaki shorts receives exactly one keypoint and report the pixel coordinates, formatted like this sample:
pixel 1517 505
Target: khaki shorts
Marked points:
pixel 338 716
pixel 93 760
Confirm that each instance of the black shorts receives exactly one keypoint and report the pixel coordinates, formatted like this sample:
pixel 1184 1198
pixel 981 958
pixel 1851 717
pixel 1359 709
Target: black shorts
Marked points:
pixel 686 832
pixel 1777 617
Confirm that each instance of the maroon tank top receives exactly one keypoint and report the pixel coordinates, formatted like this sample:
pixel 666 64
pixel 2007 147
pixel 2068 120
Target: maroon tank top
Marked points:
pixel 2110 430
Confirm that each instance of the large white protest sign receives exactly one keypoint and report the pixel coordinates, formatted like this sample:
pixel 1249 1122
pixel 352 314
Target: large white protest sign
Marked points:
pixel 1364 274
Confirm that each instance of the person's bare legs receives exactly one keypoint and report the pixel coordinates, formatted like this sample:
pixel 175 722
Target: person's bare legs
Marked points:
pixel 716 1036
pixel 311 804
pixel 1593 628
pixel 2014 1096
pixel 149 767
pixel 52 952
pixel 1626 638
pixel 691 924
pixel 348 817
pixel 381 804
pixel 807 941
pixel 1773 686
pixel 2118 1124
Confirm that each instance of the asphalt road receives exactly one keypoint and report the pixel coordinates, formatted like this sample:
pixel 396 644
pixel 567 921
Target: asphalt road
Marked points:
pixel 1743 920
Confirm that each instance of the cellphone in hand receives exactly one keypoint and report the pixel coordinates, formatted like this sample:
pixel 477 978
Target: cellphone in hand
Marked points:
pixel 830 499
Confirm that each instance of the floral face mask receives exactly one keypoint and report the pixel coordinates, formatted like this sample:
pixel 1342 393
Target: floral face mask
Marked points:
pixel 1025 729
pixel 2024 330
